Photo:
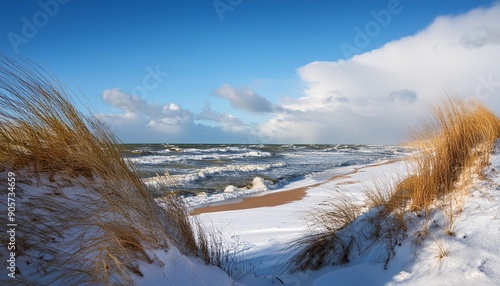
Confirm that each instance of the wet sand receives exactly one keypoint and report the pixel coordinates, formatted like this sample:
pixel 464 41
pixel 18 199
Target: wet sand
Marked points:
pixel 277 198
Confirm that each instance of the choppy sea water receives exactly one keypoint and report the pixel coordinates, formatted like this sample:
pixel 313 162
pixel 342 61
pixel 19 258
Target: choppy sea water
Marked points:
pixel 217 172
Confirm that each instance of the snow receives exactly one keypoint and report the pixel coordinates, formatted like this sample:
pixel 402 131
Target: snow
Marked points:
pixel 473 253
pixel 181 270
pixel 351 276
pixel 74 243
pixel 260 236
pixel 469 257
pixel 262 233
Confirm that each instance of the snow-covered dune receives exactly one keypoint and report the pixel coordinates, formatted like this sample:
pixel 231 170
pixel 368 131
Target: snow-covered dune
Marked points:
pixel 470 256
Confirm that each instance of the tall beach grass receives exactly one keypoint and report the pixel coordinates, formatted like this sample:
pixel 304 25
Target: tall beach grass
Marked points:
pixel 84 216
pixel 453 148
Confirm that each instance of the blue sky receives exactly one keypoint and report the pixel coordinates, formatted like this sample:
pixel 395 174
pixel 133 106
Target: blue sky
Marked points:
pixel 241 71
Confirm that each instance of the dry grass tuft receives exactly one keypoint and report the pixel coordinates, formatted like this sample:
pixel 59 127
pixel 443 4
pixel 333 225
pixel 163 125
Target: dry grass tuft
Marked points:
pixel 460 136
pixel 329 242
pixel 339 213
pixel 85 217
pixel 181 230
pixel 454 148
pixel 441 249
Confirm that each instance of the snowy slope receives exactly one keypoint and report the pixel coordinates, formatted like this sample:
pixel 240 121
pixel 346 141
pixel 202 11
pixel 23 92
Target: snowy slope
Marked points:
pixel 181 270
pixel 471 256
pixel 262 234
pixel 59 218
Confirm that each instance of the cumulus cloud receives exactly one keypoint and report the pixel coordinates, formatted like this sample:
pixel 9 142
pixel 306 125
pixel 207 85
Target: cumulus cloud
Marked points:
pixel 244 98
pixel 228 122
pixel 139 121
pixel 124 102
pixel 161 117
pixel 375 96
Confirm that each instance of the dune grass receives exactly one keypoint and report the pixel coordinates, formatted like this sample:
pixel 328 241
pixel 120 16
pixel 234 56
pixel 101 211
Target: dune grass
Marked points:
pixel 331 239
pixel 453 149
pixel 85 217
pixel 457 140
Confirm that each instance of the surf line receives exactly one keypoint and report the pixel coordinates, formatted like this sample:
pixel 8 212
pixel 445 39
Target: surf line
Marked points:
pixel 276 198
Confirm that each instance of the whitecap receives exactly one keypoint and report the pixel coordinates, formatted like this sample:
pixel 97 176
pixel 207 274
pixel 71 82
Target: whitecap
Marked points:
pixel 258 184
pixel 230 189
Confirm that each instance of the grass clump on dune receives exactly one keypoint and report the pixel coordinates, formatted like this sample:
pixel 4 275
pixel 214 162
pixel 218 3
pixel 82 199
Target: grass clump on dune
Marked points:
pixel 458 140
pixel 453 148
pixel 333 236
pixel 84 216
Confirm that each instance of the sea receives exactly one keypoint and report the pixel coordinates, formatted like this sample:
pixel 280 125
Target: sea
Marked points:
pixel 204 173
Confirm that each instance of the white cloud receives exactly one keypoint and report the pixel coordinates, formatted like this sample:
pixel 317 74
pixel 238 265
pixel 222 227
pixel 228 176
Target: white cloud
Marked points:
pixel 244 98
pixel 229 122
pixel 374 97
pixel 164 118
pixel 139 121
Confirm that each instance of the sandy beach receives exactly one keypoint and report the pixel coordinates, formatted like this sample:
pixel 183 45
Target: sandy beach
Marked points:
pixel 279 197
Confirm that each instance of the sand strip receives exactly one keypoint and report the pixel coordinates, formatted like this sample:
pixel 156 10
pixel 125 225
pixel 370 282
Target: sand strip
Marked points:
pixel 274 199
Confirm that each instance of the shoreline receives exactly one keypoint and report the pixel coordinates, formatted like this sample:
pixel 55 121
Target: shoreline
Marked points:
pixel 279 197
